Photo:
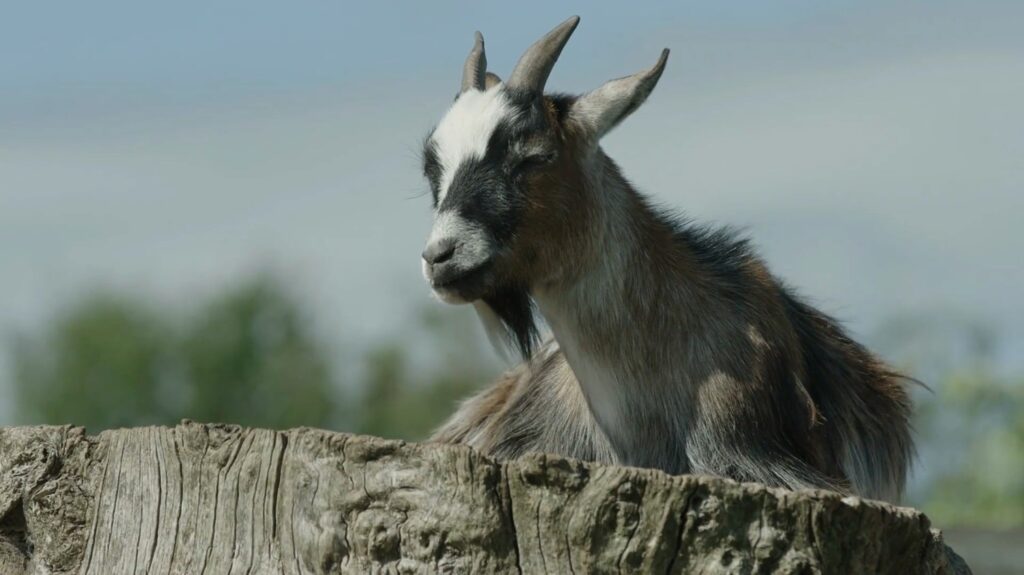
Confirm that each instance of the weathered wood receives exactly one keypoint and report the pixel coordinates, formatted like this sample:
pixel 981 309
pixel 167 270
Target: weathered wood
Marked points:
pixel 222 499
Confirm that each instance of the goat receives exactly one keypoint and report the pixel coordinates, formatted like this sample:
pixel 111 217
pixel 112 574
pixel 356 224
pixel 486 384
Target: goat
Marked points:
pixel 673 346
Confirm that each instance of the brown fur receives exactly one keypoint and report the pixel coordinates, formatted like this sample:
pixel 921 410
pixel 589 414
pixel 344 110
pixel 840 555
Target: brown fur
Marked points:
pixel 515 416
pixel 673 345
pixel 768 390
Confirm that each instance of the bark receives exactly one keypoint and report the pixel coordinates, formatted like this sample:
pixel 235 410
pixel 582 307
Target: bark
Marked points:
pixel 224 499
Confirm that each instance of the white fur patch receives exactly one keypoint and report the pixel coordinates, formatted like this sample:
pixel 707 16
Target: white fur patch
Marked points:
pixel 466 128
pixel 599 382
pixel 473 240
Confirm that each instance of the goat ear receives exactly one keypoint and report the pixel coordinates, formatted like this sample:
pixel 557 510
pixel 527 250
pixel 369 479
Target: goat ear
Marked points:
pixel 599 111
pixel 491 79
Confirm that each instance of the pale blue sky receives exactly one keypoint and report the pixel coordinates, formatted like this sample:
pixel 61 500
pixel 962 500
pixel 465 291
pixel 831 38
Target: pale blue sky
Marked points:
pixel 872 149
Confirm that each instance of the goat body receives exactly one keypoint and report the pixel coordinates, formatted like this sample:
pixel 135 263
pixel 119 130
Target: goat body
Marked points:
pixel 673 346
pixel 720 369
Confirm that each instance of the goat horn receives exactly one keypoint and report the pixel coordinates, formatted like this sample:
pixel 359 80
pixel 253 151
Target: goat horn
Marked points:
pixel 475 69
pixel 534 67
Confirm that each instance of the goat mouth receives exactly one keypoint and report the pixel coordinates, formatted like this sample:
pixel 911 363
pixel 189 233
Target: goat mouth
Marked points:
pixel 466 285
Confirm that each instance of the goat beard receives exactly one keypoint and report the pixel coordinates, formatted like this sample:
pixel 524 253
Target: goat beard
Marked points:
pixel 517 312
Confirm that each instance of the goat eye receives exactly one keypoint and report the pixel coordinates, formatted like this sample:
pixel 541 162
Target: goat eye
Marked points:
pixel 533 161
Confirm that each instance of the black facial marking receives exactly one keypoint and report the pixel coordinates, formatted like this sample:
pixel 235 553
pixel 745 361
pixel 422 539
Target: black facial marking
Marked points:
pixel 514 306
pixel 480 193
pixel 489 190
pixel 432 167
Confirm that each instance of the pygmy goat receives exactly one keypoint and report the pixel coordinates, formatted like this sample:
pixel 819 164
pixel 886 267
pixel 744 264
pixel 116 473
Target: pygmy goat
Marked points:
pixel 673 346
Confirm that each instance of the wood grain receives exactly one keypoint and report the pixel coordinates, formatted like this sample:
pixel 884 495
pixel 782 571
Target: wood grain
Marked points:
pixel 219 499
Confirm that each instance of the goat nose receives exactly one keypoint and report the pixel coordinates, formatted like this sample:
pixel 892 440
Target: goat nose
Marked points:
pixel 440 251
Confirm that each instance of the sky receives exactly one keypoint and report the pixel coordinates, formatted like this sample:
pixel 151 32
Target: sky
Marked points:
pixel 871 150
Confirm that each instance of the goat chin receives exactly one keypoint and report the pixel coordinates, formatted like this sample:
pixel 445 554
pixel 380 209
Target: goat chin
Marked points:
pixel 449 297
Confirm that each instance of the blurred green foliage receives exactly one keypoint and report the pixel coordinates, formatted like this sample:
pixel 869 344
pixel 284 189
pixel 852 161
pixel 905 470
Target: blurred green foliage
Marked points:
pixel 245 357
pixel 251 356
pixel 406 399
pixel 982 481
pixel 248 356
pixel 104 363
pixel 969 425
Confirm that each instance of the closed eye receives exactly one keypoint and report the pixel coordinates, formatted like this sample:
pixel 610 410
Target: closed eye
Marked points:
pixel 533 161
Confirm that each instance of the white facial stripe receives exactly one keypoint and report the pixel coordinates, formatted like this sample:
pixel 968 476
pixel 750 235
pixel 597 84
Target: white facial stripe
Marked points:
pixel 466 128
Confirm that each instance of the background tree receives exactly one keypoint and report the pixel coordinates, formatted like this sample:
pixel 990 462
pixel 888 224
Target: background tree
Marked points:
pixel 248 356
pixel 251 358
pixel 969 425
pixel 407 401
pixel 104 362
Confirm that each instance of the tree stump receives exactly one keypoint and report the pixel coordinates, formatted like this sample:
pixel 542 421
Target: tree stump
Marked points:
pixel 224 499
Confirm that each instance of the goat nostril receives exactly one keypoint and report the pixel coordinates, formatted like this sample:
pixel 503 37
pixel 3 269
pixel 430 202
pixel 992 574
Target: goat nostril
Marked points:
pixel 439 252
pixel 445 255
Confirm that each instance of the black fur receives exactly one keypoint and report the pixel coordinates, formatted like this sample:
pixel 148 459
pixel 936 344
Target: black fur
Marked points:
pixel 515 308
pixel 431 167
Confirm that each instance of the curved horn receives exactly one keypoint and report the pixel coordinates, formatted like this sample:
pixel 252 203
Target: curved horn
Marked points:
pixel 475 69
pixel 533 68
